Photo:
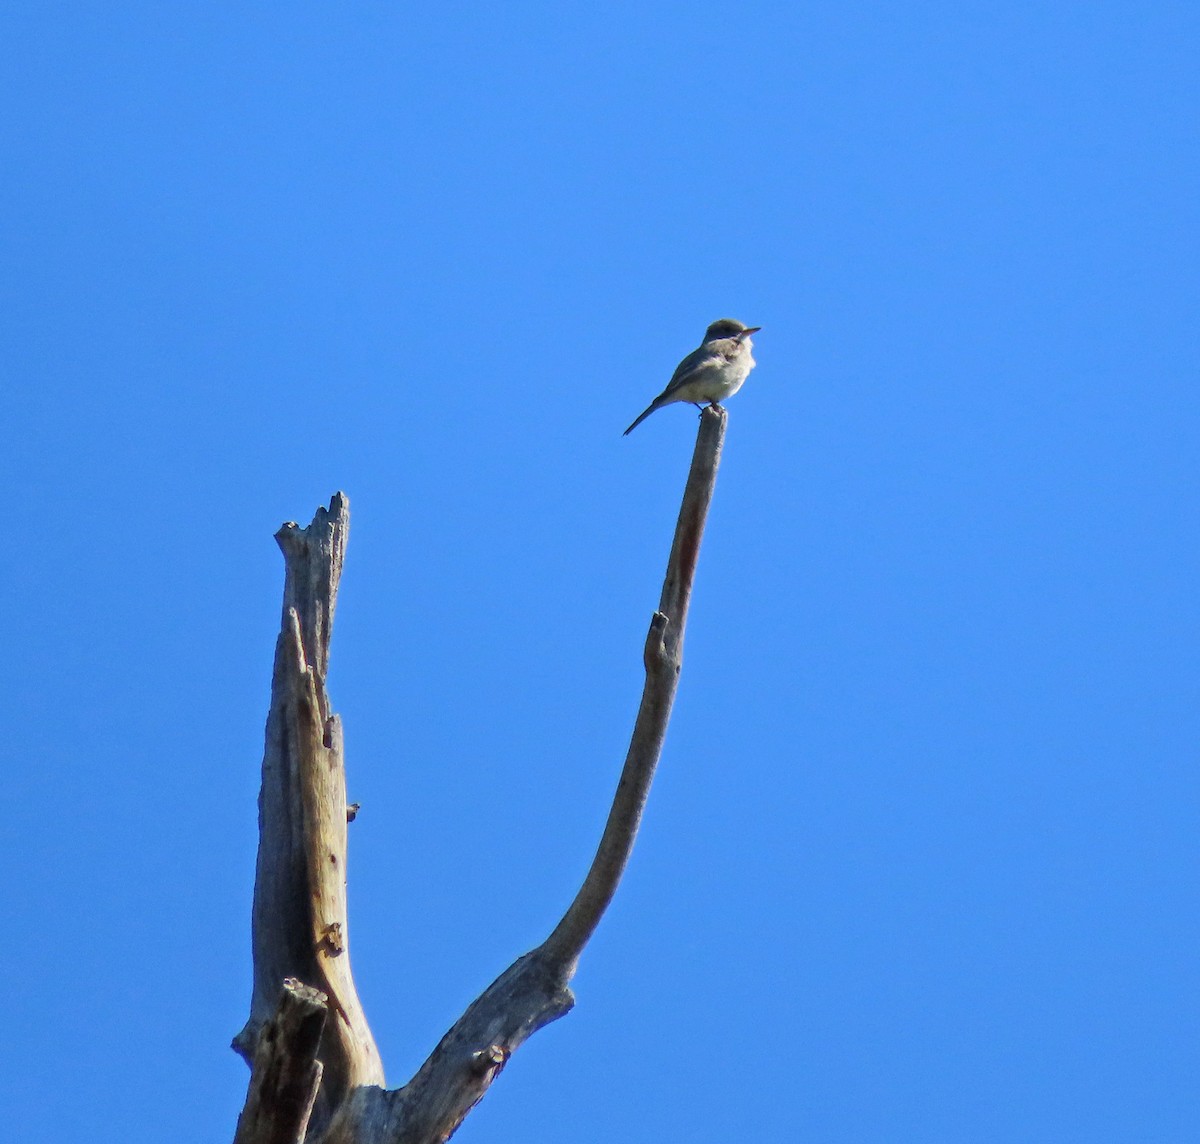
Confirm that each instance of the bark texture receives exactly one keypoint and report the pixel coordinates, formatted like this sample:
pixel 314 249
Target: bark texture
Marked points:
pixel 300 925
pixel 299 921
pixel 287 1073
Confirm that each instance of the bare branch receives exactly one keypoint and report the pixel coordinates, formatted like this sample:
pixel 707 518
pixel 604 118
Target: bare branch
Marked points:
pixel 663 659
pixel 299 919
pixel 534 991
pixel 299 895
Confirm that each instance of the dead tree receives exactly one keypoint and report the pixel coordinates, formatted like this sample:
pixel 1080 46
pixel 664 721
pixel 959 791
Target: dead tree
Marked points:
pixel 316 1074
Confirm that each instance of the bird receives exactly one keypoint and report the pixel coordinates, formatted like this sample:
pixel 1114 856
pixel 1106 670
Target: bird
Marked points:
pixel 711 372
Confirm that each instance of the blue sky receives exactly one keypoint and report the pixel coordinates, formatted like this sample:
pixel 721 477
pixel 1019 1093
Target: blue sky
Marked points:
pixel 919 864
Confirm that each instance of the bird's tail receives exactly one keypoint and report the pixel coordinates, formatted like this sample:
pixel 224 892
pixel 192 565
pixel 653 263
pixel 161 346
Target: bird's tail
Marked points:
pixel 641 417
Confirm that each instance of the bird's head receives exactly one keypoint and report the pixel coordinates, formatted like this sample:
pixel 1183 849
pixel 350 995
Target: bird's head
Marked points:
pixel 729 328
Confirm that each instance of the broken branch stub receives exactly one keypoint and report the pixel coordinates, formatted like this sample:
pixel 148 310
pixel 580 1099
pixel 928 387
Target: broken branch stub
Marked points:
pixel 299 920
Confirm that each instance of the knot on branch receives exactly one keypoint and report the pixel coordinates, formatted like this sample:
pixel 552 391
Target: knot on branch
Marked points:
pixel 655 654
pixel 489 1061
pixel 304 994
pixel 331 938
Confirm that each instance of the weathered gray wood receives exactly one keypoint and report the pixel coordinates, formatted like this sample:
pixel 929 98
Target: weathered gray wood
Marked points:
pixel 534 990
pixel 286 1072
pixel 663 659
pixel 299 916
pixel 299 910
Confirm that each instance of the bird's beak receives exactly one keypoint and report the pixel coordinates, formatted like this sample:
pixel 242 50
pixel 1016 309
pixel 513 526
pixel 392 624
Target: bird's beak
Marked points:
pixel 751 330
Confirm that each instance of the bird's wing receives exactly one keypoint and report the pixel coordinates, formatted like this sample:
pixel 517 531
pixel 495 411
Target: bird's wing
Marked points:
pixel 691 366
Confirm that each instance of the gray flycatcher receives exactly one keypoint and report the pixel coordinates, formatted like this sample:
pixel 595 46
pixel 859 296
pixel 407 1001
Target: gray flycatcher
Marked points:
pixel 714 371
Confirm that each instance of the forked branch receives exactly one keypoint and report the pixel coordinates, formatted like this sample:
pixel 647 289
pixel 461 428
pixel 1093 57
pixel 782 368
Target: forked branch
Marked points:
pixel 294 937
